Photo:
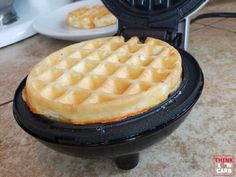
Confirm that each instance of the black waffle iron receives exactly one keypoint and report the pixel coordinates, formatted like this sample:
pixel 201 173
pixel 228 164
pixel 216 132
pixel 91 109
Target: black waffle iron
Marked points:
pixel 123 140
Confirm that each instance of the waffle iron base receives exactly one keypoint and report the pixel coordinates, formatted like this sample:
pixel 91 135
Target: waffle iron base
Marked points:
pixel 122 141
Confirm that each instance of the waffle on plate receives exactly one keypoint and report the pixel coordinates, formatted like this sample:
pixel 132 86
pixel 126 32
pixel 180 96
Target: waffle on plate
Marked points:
pixel 91 17
pixel 103 80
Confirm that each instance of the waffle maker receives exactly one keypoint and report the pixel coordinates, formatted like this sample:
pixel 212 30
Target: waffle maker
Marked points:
pixel 123 140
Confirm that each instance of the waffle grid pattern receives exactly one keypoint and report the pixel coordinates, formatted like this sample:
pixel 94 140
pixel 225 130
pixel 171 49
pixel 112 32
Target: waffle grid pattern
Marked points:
pixel 102 70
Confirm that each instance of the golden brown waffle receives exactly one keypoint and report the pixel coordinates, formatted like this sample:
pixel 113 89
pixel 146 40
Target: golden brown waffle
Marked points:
pixel 103 80
pixel 91 17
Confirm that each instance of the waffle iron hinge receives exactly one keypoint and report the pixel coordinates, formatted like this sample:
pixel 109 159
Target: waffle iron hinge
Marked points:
pixel 171 36
pixel 166 30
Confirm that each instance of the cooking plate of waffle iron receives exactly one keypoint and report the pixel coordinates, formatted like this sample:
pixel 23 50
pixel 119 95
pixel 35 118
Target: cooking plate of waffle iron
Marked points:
pixel 123 140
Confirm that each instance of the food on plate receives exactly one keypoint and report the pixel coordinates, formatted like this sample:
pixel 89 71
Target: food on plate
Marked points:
pixel 91 17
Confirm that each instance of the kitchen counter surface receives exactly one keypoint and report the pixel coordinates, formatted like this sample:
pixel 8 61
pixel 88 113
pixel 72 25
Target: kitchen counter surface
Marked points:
pixel 209 130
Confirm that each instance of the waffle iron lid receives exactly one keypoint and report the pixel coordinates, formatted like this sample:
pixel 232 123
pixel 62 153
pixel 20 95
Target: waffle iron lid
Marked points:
pixel 152 18
pixel 151 12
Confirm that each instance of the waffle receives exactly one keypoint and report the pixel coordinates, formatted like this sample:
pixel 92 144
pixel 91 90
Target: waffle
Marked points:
pixel 103 80
pixel 91 17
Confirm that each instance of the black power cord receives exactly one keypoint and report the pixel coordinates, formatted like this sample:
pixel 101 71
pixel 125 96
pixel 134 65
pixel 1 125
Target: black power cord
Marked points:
pixel 215 15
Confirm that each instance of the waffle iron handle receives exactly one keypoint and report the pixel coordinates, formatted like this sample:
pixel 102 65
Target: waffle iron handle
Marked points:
pixel 127 162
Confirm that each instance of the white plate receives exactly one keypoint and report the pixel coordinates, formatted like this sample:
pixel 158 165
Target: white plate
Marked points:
pixel 55 25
